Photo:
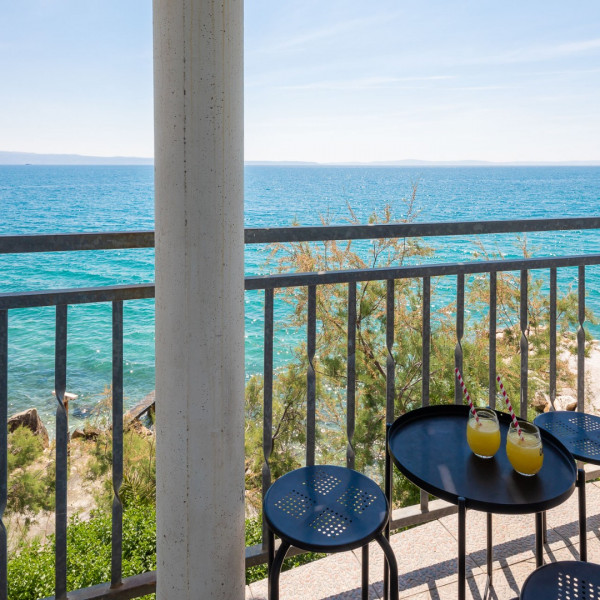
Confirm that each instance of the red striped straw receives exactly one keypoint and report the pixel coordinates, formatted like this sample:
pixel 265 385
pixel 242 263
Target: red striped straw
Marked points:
pixel 466 393
pixel 510 408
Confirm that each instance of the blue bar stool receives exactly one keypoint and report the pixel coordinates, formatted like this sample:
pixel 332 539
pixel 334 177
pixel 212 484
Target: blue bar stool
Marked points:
pixel 327 509
pixel 563 580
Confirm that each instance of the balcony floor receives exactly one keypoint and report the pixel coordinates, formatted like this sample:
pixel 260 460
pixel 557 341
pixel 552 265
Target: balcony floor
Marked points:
pixel 426 558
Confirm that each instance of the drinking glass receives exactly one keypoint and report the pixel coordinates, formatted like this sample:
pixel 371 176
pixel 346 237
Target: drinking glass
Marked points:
pixel 526 453
pixel 483 437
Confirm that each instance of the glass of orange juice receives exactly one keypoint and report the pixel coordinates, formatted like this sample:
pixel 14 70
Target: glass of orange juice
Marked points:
pixel 525 453
pixel 483 437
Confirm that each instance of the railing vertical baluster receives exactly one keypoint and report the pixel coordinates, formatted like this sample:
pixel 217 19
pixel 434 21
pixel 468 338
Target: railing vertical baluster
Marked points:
pixel 311 382
pixel 426 341
pixel 553 290
pixel 351 376
pixel 492 345
pixel 581 341
pixel 524 324
pixel 268 401
pixel 425 371
pixel 117 443
pixel 460 326
pixel 62 440
pixel 3 452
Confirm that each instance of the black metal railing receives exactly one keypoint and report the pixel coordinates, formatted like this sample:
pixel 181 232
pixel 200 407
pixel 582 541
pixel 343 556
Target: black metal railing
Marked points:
pixel 139 585
pixel 61 299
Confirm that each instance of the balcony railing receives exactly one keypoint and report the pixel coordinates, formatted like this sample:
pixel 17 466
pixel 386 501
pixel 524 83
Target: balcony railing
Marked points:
pixel 142 584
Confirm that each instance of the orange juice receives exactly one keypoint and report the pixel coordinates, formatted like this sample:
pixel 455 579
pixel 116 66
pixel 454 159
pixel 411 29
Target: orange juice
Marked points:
pixel 483 437
pixel 525 455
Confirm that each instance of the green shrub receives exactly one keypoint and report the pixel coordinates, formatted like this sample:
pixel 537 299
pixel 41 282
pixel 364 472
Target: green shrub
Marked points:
pixel 139 468
pixel 30 489
pixel 24 447
pixel 31 569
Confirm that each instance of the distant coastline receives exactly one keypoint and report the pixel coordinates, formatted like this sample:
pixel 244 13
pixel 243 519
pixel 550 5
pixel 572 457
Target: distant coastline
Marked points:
pixel 33 159
pixel 55 160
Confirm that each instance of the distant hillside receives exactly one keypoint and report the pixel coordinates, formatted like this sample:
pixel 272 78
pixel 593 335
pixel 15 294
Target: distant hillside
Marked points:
pixel 29 158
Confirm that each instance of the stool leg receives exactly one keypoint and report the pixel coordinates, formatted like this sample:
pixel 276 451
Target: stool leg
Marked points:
pixel 389 479
pixel 270 548
pixel 582 515
pixel 275 570
pixel 392 565
pixel 365 572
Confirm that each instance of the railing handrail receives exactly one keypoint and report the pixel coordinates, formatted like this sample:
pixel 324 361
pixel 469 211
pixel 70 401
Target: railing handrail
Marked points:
pixel 67 242
pixel 108 293
pixel 116 240
pixel 261 282
pixel 405 230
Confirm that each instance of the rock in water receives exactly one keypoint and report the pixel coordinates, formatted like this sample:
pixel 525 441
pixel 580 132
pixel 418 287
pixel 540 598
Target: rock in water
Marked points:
pixel 31 420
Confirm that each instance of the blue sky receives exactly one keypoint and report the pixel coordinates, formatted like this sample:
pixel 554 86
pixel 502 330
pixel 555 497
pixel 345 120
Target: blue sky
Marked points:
pixel 327 81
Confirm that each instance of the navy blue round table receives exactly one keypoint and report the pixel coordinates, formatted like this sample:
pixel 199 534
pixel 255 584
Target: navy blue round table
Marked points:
pixel 326 509
pixel 429 446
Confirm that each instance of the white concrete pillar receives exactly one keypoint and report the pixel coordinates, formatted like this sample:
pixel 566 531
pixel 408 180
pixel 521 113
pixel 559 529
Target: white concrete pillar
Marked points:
pixel 198 70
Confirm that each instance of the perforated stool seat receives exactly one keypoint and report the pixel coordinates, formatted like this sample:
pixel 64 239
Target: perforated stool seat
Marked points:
pixel 580 433
pixel 326 509
pixel 564 580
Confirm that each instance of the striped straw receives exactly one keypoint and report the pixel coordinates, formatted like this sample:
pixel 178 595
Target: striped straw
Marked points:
pixel 466 393
pixel 510 408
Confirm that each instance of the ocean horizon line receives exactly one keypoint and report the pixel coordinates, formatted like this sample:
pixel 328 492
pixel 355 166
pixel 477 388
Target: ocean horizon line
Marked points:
pixel 11 158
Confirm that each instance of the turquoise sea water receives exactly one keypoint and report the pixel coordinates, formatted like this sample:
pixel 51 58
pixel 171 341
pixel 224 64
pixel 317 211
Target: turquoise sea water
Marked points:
pixel 39 199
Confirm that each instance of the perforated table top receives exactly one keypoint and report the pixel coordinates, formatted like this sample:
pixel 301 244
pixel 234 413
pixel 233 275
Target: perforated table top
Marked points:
pixel 579 432
pixel 565 580
pixel 325 508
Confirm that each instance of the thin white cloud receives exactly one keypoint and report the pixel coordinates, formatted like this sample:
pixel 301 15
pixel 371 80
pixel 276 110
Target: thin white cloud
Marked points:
pixel 332 31
pixel 363 83
pixel 539 53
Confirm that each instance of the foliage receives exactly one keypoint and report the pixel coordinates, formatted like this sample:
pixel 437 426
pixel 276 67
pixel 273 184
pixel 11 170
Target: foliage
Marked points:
pixel 24 447
pixel 330 363
pixel 30 487
pixel 139 468
pixel 31 569
pixel 536 333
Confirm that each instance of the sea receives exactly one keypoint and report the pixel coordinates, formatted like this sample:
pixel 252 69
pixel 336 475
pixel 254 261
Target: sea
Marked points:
pixel 70 199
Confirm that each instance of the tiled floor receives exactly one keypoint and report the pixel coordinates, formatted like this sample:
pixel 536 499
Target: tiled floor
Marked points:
pixel 426 558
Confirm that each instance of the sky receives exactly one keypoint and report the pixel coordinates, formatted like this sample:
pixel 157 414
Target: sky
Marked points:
pixel 325 80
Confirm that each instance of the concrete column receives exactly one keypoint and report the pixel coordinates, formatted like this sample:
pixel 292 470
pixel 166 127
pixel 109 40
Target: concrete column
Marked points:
pixel 198 52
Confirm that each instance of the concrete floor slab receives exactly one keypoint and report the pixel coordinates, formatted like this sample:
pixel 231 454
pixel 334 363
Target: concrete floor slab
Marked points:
pixel 427 563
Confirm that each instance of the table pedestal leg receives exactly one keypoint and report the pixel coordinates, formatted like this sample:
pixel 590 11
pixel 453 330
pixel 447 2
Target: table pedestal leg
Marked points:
pixel 582 515
pixel 490 549
pixel 539 540
pixel 462 548
pixel 545 527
